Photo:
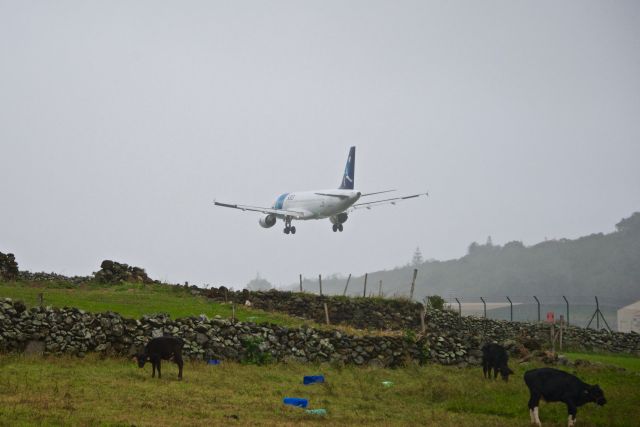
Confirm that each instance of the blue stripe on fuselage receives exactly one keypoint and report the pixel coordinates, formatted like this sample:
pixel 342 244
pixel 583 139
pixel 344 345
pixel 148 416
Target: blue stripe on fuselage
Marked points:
pixel 280 201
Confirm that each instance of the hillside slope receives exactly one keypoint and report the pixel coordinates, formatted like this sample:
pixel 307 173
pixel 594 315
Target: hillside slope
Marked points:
pixel 607 265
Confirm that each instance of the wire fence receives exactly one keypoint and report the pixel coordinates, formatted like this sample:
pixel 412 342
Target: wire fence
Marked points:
pixel 583 311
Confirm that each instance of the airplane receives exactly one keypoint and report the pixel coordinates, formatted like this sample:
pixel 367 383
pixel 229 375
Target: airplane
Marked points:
pixel 335 204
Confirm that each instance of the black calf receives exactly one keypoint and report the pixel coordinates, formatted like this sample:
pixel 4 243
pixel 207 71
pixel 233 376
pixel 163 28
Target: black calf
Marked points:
pixel 554 385
pixel 162 348
pixel 495 357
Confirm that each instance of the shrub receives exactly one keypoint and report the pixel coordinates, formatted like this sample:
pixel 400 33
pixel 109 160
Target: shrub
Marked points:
pixel 253 354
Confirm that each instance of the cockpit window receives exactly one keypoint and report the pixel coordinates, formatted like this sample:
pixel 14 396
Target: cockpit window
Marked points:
pixel 280 201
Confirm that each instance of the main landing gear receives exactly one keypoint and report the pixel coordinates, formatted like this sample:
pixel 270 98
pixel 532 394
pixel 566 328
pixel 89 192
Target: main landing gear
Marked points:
pixel 337 227
pixel 288 228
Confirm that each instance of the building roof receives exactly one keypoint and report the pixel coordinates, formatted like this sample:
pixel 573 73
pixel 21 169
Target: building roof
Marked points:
pixel 633 306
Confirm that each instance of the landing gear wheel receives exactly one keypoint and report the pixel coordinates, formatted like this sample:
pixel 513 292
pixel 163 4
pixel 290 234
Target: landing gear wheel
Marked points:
pixel 340 227
pixel 335 228
pixel 288 228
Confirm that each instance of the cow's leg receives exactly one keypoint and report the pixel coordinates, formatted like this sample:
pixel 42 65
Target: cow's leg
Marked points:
pixel 153 365
pixel 537 418
pixel 534 401
pixel 495 372
pixel 159 373
pixel 573 411
pixel 180 363
pixel 485 368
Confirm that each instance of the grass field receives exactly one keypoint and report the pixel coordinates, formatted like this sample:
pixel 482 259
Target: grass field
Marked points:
pixel 111 391
pixel 626 361
pixel 134 300
pixel 94 391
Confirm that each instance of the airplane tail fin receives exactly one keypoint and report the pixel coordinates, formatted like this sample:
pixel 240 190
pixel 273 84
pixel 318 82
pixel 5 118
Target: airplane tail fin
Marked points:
pixel 349 171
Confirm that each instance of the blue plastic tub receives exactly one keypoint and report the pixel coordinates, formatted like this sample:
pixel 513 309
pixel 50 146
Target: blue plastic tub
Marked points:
pixel 296 401
pixel 313 379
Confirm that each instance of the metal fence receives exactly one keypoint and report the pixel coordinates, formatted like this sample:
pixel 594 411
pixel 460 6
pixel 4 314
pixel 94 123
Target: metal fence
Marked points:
pixel 584 311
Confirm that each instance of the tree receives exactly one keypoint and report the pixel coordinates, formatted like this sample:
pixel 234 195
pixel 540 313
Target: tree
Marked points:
pixel 629 224
pixel 259 284
pixel 417 258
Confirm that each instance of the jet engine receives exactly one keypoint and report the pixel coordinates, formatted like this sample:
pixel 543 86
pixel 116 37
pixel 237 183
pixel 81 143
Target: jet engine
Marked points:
pixel 339 219
pixel 267 221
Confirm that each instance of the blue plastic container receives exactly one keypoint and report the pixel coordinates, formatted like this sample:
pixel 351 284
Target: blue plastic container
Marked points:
pixel 313 379
pixel 296 401
pixel 213 362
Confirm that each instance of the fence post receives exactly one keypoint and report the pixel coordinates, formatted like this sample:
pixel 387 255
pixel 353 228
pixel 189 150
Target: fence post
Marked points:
pixel 233 312
pixel 380 289
pixel 346 286
pixel 326 313
pixel 538 301
pixel 511 309
pixel 423 313
pixel 561 329
pixel 301 283
pixel 567 303
pixel 364 292
pixel 459 307
pixel 320 283
pixel 485 307
pixel 40 299
pixel 413 283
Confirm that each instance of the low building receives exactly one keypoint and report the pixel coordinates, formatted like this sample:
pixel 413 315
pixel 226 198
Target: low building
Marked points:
pixel 629 318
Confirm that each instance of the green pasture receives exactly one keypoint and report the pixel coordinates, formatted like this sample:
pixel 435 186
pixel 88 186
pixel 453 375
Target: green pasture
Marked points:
pixel 95 391
pixel 134 300
pixel 626 361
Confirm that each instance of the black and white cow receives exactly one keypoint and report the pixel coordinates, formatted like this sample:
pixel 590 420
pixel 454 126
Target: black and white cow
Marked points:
pixel 554 385
pixel 162 348
pixel 495 357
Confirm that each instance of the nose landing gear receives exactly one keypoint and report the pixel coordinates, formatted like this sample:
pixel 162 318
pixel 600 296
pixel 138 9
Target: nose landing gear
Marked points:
pixel 337 227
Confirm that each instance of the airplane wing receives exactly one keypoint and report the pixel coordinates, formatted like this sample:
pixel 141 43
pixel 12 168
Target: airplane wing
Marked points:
pixel 392 201
pixel 293 214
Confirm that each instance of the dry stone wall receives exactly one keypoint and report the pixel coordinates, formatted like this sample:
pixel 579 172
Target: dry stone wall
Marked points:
pixel 361 313
pixel 449 338
pixel 454 334
pixel 74 331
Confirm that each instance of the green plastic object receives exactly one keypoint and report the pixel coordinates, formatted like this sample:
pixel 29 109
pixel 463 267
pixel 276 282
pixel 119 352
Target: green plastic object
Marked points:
pixel 387 383
pixel 316 411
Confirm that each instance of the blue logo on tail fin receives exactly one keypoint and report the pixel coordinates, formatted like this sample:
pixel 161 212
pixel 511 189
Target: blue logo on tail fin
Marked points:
pixel 349 171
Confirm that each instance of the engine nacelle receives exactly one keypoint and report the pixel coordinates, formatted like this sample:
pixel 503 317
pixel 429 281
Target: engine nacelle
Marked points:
pixel 267 221
pixel 339 219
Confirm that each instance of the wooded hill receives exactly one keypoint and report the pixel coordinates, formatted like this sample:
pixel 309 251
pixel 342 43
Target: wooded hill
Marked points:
pixel 604 265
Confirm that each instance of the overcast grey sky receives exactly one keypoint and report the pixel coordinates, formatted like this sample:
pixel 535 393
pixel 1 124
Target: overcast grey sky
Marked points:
pixel 120 121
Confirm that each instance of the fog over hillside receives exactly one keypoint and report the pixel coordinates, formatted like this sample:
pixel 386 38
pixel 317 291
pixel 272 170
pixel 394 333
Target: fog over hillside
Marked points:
pixel 121 122
pixel 604 265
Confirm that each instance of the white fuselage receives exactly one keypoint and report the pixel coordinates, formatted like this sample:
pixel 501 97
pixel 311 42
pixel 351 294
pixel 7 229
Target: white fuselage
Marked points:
pixel 317 204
